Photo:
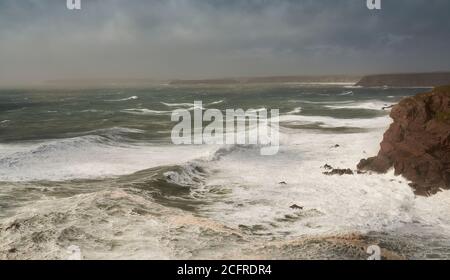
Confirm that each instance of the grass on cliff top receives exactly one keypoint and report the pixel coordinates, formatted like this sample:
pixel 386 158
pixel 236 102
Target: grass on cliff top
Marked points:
pixel 421 96
pixel 443 116
pixel 442 89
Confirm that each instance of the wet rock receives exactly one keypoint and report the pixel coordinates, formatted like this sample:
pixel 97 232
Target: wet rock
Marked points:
pixel 296 207
pixel 327 166
pixel 417 144
pixel 282 183
pixel 13 226
pixel 340 172
pixel 379 164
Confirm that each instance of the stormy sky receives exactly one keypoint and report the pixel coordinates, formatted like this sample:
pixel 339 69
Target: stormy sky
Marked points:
pixel 164 39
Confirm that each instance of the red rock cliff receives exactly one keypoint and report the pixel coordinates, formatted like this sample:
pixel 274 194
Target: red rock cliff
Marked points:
pixel 417 144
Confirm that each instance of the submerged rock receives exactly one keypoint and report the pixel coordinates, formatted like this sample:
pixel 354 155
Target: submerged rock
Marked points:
pixel 337 171
pixel 328 167
pixel 296 207
pixel 417 144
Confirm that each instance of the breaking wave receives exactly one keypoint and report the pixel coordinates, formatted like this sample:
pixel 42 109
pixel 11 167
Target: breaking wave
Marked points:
pixel 144 111
pixel 368 105
pixel 109 153
pixel 124 99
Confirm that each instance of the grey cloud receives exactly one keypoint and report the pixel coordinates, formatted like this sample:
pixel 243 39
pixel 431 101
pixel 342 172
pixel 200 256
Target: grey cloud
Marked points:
pixel 205 38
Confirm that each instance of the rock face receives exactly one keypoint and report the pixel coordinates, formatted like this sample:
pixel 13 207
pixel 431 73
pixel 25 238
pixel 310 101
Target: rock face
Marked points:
pixel 417 144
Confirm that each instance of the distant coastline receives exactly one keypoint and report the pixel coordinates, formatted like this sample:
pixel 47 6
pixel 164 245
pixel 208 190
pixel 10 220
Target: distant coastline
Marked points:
pixel 425 80
pixel 310 79
pixel 406 80
pixel 323 79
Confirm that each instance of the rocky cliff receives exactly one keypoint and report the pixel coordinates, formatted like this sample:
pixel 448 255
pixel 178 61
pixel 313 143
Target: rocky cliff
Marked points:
pixel 406 80
pixel 417 144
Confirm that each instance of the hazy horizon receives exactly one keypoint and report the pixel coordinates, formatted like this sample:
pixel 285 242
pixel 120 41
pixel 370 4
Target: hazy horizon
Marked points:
pixel 189 39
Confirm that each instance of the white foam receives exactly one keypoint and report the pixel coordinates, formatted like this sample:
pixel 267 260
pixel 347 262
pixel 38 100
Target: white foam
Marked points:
pixel 114 131
pixel 124 99
pixel 321 102
pixel 92 222
pixel 145 111
pixel 346 93
pixel 178 104
pixel 332 204
pixel 216 102
pixel 190 105
pixel 60 223
pixel 330 122
pixel 295 111
pixel 88 157
pixel 4 123
pixel 344 84
pixel 256 110
pixel 369 105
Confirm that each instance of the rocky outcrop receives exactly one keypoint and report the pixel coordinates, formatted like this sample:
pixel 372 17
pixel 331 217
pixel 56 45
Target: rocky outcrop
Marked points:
pixel 406 80
pixel 417 144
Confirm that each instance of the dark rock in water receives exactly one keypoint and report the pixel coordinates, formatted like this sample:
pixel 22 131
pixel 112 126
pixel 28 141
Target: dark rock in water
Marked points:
pixel 327 166
pixel 336 146
pixel 338 171
pixel 379 164
pixel 418 190
pixel 387 107
pixel 13 226
pixel 417 144
pixel 282 183
pixel 296 207
pixel 12 250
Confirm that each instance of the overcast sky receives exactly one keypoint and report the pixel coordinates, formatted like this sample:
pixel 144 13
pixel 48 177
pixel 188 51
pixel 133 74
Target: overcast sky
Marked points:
pixel 41 39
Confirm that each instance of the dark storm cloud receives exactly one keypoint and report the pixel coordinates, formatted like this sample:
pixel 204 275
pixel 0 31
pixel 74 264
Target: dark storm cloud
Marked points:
pixel 41 39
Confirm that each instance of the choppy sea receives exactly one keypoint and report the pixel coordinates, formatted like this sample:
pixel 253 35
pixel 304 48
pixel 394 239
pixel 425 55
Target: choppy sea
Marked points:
pixel 96 170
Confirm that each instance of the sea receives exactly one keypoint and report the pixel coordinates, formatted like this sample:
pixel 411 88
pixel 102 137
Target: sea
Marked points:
pixel 93 173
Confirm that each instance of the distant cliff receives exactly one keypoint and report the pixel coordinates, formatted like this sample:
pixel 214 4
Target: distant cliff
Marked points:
pixel 406 80
pixel 417 144
pixel 273 79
